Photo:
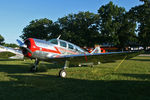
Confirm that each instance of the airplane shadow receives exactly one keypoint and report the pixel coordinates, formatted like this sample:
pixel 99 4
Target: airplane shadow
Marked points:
pixel 137 76
pixel 24 67
pixel 146 59
pixel 50 87
pixel 10 69
pixel 46 87
pixel 141 60
pixel 6 59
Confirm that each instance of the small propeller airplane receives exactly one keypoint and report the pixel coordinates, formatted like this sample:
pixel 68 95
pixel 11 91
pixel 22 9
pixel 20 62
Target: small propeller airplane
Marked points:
pixel 61 51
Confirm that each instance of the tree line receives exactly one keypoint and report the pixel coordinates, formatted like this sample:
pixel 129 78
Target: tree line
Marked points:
pixel 6 44
pixel 112 25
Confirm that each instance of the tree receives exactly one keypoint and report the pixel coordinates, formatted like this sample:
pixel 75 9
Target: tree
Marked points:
pixel 1 39
pixel 126 33
pixel 41 29
pixel 116 29
pixel 141 15
pixel 80 28
pixel 10 45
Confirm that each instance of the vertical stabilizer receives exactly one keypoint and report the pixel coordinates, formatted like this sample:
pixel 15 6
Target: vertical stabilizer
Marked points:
pixel 96 50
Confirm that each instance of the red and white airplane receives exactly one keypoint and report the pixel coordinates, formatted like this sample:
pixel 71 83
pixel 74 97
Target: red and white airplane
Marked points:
pixel 60 51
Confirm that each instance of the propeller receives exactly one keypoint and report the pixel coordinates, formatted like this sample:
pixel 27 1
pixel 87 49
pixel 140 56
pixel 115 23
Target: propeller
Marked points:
pixel 21 44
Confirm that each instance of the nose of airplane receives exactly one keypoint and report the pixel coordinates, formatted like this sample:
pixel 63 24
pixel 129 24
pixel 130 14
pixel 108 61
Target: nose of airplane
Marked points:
pixel 25 47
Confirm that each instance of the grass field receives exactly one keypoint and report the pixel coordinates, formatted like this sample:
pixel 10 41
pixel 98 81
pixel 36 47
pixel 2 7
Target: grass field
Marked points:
pixel 130 81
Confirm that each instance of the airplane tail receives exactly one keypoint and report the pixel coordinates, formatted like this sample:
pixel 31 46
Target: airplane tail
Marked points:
pixel 96 50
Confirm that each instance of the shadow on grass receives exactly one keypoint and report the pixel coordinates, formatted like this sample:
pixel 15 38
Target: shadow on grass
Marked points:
pixel 46 87
pixel 6 59
pixel 10 69
pixel 140 59
pixel 23 66
pixel 137 76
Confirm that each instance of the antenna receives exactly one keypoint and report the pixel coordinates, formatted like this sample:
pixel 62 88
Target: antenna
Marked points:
pixel 59 36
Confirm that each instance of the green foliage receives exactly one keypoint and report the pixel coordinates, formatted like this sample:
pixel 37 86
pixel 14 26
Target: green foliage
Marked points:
pixel 10 45
pixel 112 25
pixel 115 25
pixel 41 29
pixel 1 39
pixel 141 15
pixel 109 22
pixel 126 32
pixel 80 28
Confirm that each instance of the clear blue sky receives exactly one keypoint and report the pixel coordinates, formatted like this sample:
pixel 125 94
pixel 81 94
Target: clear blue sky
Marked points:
pixel 16 14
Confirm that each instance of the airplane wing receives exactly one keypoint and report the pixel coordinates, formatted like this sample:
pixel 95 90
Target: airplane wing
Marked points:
pixel 96 57
pixel 18 53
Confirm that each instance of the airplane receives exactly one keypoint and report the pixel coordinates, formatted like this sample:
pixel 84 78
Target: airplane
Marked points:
pixel 63 52
pixel 18 53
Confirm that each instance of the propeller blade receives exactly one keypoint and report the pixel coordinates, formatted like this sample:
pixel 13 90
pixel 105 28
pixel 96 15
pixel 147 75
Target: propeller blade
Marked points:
pixel 21 44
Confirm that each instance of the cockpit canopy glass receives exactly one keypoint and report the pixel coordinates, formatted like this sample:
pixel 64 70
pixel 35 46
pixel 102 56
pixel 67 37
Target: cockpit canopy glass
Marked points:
pixel 63 44
pixel 70 46
pixel 54 41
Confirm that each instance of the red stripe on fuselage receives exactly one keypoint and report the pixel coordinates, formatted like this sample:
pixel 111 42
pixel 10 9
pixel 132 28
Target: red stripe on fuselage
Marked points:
pixel 52 51
pixel 33 47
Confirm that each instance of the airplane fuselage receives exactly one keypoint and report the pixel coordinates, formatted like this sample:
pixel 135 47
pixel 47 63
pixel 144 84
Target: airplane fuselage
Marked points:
pixel 42 49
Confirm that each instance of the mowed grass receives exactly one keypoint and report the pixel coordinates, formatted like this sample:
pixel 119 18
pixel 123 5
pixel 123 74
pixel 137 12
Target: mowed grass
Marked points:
pixel 130 81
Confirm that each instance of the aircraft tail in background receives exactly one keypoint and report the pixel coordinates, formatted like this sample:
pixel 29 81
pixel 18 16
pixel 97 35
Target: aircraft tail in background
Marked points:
pixel 96 50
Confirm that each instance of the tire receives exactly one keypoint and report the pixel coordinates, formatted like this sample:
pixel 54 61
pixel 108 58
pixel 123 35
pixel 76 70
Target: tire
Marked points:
pixel 62 73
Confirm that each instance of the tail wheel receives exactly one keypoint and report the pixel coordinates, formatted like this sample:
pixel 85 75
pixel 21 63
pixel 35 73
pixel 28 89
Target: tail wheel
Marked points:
pixel 62 73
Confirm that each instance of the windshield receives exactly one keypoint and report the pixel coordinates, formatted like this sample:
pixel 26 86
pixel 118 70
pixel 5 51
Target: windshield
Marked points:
pixel 54 41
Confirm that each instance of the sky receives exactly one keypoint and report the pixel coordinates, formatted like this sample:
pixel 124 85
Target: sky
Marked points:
pixel 16 14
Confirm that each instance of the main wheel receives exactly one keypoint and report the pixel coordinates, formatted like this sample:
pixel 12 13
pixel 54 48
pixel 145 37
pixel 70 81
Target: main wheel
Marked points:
pixel 62 73
pixel 33 69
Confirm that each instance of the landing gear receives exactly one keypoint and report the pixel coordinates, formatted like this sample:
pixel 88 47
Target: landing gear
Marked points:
pixel 34 67
pixel 62 72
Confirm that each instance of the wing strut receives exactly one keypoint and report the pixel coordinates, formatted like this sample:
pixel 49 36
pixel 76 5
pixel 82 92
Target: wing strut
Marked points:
pixel 62 72
pixel 120 63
